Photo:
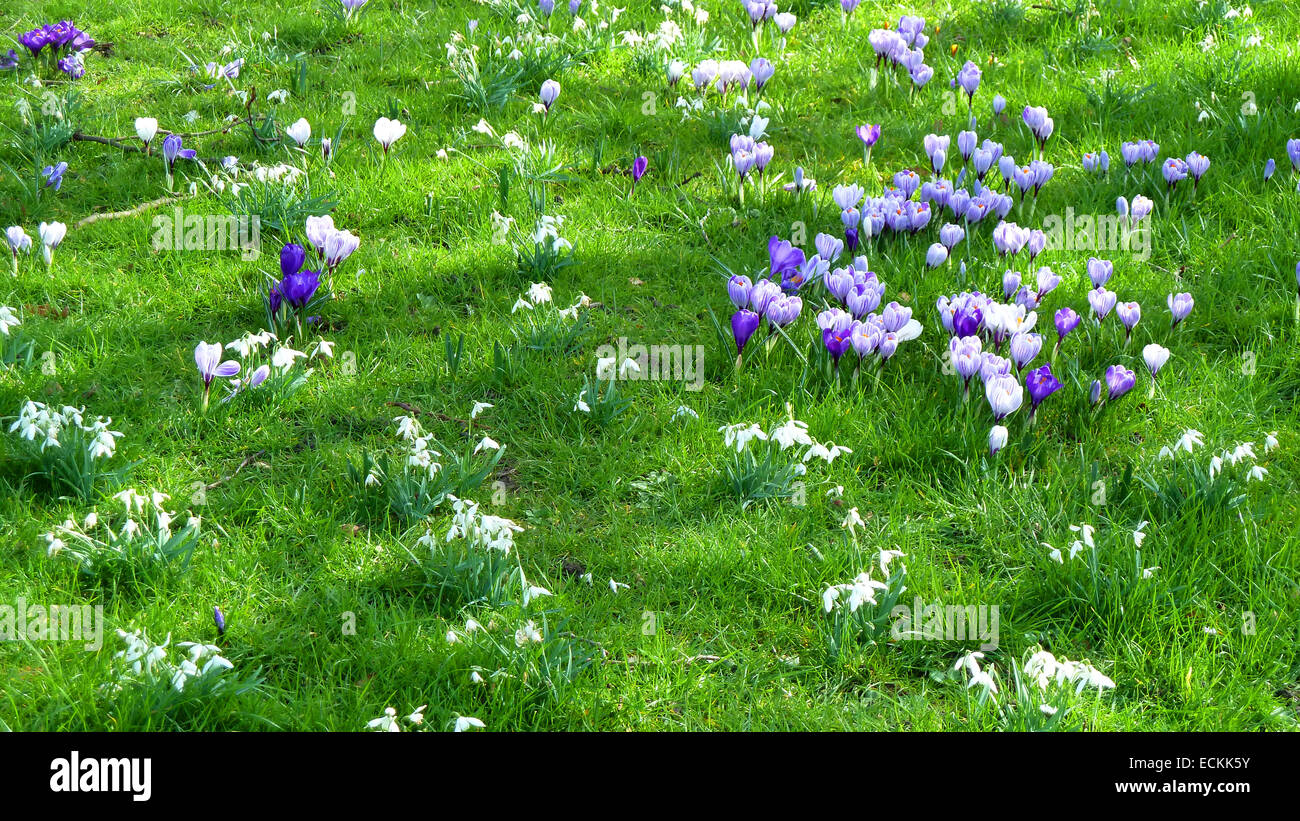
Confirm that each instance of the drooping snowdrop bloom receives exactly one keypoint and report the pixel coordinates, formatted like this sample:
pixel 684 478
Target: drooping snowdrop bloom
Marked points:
pixel 467 723
pixel 388 132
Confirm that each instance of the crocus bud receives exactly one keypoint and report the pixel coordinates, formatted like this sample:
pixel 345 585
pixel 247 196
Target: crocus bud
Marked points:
pixel 997 439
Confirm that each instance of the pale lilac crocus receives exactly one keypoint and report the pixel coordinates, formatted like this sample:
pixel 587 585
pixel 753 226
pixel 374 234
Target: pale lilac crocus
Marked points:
pixel 1155 357
pixel 1102 301
pixel 1100 271
pixel 1129 313
pixel 207 356
pixel 997 439
pixel 1119 381
pixel 1180 305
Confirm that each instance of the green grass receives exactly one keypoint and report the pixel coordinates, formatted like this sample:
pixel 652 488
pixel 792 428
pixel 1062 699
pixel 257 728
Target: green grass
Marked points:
pixel 290 553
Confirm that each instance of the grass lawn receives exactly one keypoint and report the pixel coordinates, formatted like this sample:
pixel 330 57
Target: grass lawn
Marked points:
pixel 669 571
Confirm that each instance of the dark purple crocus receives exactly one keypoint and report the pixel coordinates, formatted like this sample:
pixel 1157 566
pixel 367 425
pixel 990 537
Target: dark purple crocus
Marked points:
pixel 837 341
pixel 743 324
pixel 1119 381
pixel 869 134
pixel 298 288
pixel 219 620
pixel 1041 384
pixel 783 256
pixel 34 40
pixel 966 320
pixel 292 258
pixel 639 166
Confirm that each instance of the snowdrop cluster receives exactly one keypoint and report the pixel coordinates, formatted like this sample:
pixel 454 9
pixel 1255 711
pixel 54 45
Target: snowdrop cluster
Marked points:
pixel 65 430
pixel 1240 456
pixel 145 664
pixel 143 534
pixel 1044 690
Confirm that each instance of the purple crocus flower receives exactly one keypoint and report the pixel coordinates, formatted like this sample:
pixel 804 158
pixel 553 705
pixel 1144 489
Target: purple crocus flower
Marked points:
pixel 1293 152
pixel 1010 283
pixel 1100 271
pixel 1066 320
pixel 173 151
pixel 299 288
pixel 869 134
pixel 738 290
pixel 546 7
pixel 1101 301
pixel 73 66
pixel 782 256
pixel 1119 381
pixel 550 92
pixel 639 166
pixel 764 292
pixel 999 104
pixel 208 359
pixel 828 247
pixel 34 40
pixel 1197 165
pixel 1269 167
pixel 1140 208
pixel 1129 313
pixel 743 324
pixel 1155 357
pixel 966 355
pixel 762 69
pixel 784 310
pixel 969 79
pixel 54 175
pixel 951 234
pixel 219 620
pixel 1175 171
pixel 936 255
pixel 292 258
pixel 1041 384
pixel 1024 348
pixel 1180 305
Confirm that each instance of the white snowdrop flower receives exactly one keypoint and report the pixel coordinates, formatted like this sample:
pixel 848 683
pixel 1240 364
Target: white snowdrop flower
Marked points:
pixel 791 433
pixel 451 637
pixel 614 586
pixel 386 723
pixel 684 412
pixel 487 443
pixel 828 454
pixel 628 366
pixel 1257 472
pixel 969 662
pixel 471 626
pixel 1087 531
pixel 521 304
pixel 407 427
pixel 284 357
pixel 1190 438
pixel 534 592
pixel 479 407
pixel 1149 571
pixel 853 521
pixel 513 141
pixel 887 557
pixel 280 95
pixel 1138 535
pixel 527 633
pixel 1216 466
pixel 1270 441
pixel 539 292
pixel 982 679
pixel 1053 553
pixel 587 577
pixel 1047 709
pixel 467 723
pixel 417 717
pixel 580 405
pixel 741 434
